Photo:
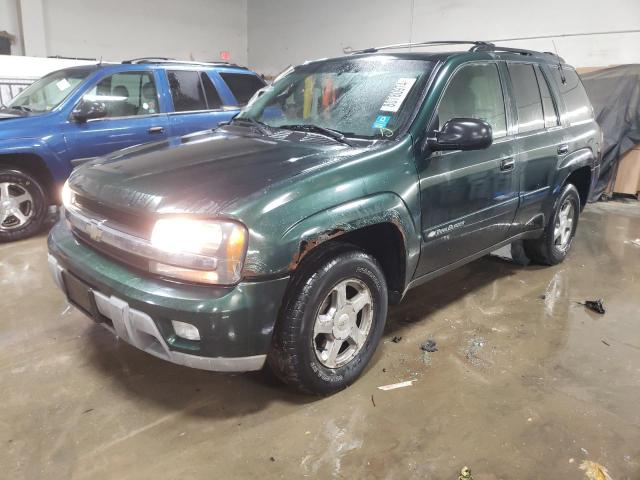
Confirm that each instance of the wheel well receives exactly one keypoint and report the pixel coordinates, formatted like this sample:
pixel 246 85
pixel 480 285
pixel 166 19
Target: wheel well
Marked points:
pixel 385 243
pixel 581 179
pixel 35 166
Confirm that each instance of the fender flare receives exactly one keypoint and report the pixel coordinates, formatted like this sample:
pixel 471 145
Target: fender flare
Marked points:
pixel 35 146
pixel 353 215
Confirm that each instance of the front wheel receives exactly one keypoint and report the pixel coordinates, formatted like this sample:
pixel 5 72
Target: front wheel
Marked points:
pixel 23 205
pixel 331 322
pixel 554 245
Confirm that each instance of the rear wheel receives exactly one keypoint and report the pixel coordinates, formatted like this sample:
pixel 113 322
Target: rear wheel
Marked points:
pixel 554 245
pixel 22 205
pixel 331 322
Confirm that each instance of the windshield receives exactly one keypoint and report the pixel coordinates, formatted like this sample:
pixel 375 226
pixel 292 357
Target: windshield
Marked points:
pixel 48 92
pixel 370 97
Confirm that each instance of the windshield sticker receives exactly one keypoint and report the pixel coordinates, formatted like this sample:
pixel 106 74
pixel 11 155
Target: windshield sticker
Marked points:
pixel 398 94
pixel 381 121
pixel 63 84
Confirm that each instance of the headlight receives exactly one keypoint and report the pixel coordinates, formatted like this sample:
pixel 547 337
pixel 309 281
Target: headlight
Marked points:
pixel 67 195
pixel 224 242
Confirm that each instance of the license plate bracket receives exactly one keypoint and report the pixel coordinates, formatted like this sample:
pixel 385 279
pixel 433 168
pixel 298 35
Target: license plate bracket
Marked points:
pixel 81 295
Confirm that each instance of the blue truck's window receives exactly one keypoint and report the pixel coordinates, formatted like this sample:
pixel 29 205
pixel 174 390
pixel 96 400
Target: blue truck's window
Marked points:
pixel 527 96
pixel 242 85
pixel 575 97
pixel 126 94
pixel 213 99
pixel 550 114
pixel 475 92
pixel 187 91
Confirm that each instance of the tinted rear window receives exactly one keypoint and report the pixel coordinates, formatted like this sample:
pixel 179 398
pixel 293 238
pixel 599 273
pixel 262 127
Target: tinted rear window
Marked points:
pixel 575 98
pixel 186 91
pixel 242 85
pixel 528 101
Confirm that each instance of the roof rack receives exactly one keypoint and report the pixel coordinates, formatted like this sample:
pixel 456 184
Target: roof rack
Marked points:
pixel 148 60
pixel 477 46
pixel 490 47
pixel 349 50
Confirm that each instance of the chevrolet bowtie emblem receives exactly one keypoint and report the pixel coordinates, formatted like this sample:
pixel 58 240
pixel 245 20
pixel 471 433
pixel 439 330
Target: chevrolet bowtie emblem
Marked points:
pixel 94 231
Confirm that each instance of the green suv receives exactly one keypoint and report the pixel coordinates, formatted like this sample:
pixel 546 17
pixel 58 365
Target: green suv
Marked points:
pixel 281 237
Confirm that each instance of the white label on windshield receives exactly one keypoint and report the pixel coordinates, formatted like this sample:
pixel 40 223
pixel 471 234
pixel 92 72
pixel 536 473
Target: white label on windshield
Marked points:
pixel 398 94
pixel 63 84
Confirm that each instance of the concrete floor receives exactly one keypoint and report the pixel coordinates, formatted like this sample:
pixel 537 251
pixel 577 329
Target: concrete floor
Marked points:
pixel 521 387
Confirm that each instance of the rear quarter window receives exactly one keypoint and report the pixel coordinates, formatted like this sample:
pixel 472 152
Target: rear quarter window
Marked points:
pixel 575 97
pixel 242 85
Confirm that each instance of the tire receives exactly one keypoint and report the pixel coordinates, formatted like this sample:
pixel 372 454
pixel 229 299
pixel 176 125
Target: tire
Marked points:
pixel 320 356
pixel 549 249
pixel 23 205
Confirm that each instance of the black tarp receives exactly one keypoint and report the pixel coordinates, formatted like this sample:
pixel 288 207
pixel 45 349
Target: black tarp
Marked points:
pixel 615 95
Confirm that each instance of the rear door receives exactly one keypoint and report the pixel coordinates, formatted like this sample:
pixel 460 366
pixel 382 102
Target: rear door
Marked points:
pixel 197 104
pixel 134 116
pixel 540 141
pixel 469 198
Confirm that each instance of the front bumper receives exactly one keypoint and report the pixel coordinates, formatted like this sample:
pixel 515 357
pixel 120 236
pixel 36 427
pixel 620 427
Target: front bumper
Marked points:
pixel 235 323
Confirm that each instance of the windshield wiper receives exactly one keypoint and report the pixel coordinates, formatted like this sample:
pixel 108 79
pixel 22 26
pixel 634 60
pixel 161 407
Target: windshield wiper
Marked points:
pixel 21 108
pixel 260 126
pixel 327 132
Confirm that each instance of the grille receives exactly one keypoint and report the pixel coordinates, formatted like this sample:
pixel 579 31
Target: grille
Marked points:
pixel 129 222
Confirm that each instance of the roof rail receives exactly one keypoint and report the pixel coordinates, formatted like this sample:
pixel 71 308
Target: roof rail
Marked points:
pixel 148 60
pixel 490 47
pixel 349 50
pixel 476 46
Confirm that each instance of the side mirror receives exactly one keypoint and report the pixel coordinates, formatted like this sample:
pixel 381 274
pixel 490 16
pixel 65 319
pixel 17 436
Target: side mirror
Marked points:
pixel 87 110
pixel 461 134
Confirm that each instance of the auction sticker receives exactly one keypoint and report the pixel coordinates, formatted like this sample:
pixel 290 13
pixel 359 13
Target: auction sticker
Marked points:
pixel 397 95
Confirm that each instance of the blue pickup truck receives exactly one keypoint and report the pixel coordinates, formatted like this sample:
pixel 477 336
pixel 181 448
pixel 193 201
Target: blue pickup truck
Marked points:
pixel 76 114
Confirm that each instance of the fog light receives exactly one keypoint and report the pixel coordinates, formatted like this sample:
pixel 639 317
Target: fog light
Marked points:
pixel 185 330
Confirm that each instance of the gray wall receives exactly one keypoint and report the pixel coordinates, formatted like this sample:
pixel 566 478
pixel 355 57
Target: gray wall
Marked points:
pixel 118 29
pixel 283 32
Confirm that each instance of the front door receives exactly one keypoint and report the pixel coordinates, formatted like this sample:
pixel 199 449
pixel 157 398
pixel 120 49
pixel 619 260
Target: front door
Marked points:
pixel 133 117
pixel 469 198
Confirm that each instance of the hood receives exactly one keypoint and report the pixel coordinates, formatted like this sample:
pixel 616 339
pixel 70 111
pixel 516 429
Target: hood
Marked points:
pixel 203 173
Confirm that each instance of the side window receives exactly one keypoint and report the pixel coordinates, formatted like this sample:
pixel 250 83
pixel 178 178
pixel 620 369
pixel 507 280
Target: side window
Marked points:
pixel 126 94
pixel 575 97
pixel 548 106
pixel 475 92
pixel 186 90
pixel 213 99
pixel 242 85
pixel 527 96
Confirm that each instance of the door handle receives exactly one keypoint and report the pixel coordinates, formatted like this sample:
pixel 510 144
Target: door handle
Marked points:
pixel 507 164
pixel 563 149
pixel 156 130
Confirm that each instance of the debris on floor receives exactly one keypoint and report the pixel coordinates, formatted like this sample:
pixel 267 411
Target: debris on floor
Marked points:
pixel 474 346
pixel 396 339
pixel 373 401
pixel 594 471
pixel 635 242
pixel 465 474
pixel 429 346
pixel 605 342
pixel 393 386
pixel 595 305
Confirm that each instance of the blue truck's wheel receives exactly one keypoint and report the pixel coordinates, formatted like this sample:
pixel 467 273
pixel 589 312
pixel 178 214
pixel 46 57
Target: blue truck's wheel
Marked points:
pixel 23 205
pixel 331 322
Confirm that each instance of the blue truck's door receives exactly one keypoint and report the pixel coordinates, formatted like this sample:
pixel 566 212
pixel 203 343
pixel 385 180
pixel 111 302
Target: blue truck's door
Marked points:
pixel 133 117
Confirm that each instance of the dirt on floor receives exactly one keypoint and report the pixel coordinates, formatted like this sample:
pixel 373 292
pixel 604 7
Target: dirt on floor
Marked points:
pixel 519 381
